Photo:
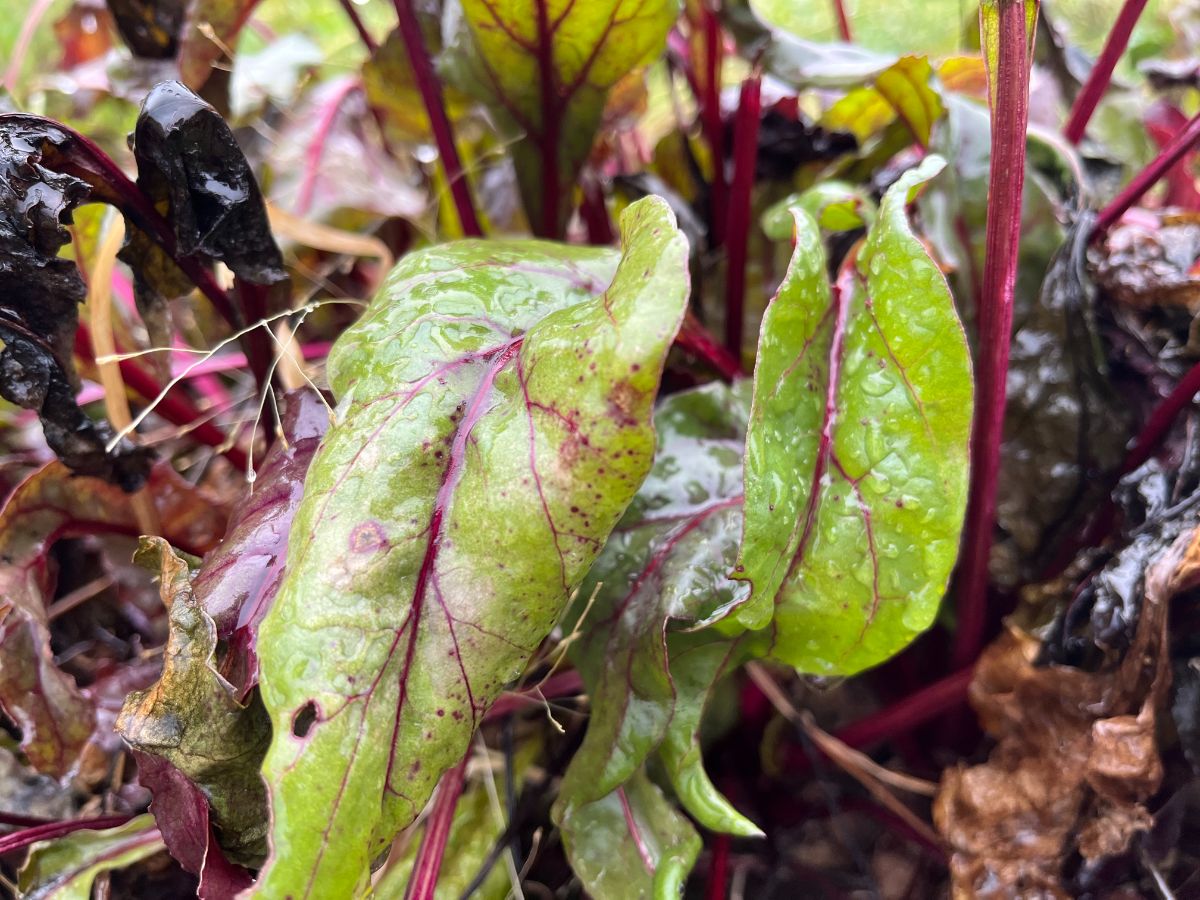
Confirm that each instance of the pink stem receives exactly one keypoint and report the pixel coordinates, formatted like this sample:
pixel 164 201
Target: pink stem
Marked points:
pixel 428 864
pixel 1148 177
pixel 52 830
pixel 718 870
pixel 564 684
pixel 594 212
pixel 737 231
pixel 1009 120
pixel 843 20
pixel 1101 74
pixel 316 147
pixel 435 108
pixel 33 18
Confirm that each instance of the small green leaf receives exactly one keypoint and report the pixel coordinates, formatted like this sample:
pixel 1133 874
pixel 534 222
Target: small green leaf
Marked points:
pixel 191 716
pixel 664 569
pixel 856 459
pixel 631 844
pixel 545 67
pixel 835 205
pixel 64 869
pixel 493 425
pixel 906 86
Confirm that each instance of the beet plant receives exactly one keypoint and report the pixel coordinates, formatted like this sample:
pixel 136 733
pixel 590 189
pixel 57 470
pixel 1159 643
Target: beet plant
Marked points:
pixel 547 447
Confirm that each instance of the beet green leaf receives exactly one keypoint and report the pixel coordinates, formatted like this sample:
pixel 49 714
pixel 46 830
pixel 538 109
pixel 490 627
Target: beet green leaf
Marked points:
pixel 545 67
pixel 493 425
pixel 856 458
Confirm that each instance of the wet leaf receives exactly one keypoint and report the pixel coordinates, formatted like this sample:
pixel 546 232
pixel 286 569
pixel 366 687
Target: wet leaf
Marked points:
pixel 545 68
pixel 786 143
pixel 1066 426
pixel 238 581
pixel 630 844
pixel 906 86
pixel 42 293
pixel 55 718
pixel 189 162
pixel 1152 267
pixel 193 719
pixel 1076 756
pixel 664 571
pixel 494 424
pixel 857 442
pixel 834 205
pixel 65 869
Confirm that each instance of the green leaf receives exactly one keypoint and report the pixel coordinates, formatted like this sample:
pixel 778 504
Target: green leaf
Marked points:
pixel 64 869
pixel 906 86
pixel 391 87
pixel 856 459
pixel 494 423
pixel 835 205
pixel 631 844
pixel 664 569
pixel 545 68
pixel 191 716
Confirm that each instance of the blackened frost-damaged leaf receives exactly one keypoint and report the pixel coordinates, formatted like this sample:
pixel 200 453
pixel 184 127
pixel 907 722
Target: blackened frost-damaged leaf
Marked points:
pixel 55 719
pixel 192 718
pixel 188 158
pixel 664 569
pixel 238 581
pixel 65 869
pixel 856 457
pixel 631 844
pixel 545 67
pixel 150 28
pixel 493 425
pixel 41 293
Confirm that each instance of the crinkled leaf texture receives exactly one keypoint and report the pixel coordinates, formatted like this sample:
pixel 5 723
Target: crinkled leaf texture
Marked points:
pixel 65 869
pixel 545 67
pixel 493 425
pixel 632 844
pixel 661 577
pixel 856 458
pixel 56 719
pixel 191 716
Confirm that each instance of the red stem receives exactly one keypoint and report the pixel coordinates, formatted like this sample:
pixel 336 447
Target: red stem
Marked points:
pixel 1009 120
pixel 1148 177
pixel 356 20
pixel 316 147
pixel 52 830
pixel 843 20
pixel 903 716
pixel 594 212
pixel 428 864
pixel 174 407
pixel 1101 74
pixel 714 127
pixel 694 338
pixel 435 108
pixel 718 870
pixel 737 230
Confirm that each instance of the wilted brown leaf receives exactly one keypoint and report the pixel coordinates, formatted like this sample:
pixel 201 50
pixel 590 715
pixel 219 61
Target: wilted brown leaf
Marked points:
pixel 1076 755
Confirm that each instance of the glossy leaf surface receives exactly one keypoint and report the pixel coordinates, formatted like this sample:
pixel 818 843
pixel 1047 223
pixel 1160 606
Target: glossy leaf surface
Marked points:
pixel 55 718
pixel 494 423
pixel 192 718
pixel 856 459
pixel 545 67
pixel 665 569
pixel 631 844
pixel 65 869
pixel 834 205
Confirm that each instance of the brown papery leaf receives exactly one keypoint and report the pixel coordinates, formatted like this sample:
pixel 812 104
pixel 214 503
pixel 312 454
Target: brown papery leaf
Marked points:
pixel 1076 755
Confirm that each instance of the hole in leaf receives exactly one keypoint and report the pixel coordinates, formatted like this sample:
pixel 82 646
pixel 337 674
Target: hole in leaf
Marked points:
pixel 304 718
